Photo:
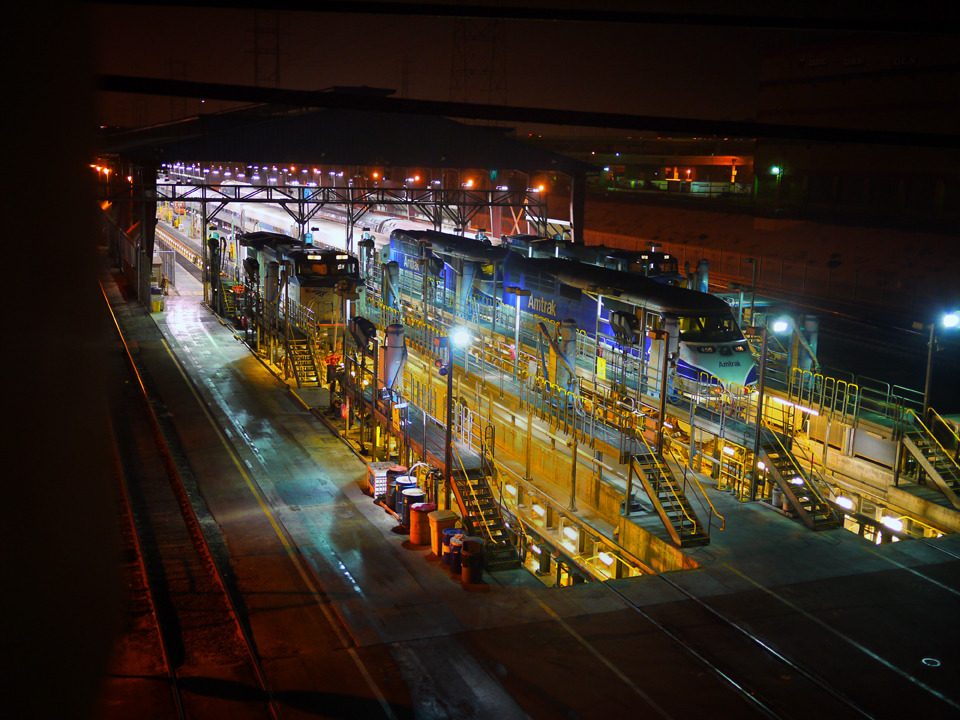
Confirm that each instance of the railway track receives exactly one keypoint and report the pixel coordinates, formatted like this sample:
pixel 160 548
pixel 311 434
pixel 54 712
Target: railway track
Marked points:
pixel 192 637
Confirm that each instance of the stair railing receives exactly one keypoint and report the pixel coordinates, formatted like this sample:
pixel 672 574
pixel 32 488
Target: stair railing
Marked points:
pixel 929 434
pixel 664 472
pixel 807 478
pixel 675 454
pixel 476 500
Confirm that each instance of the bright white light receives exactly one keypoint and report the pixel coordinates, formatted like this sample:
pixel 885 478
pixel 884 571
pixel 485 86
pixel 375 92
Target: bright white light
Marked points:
pixel 460 337
pixel 892 523
pixel 571 532
pixel 951 320
pixel 845 503
pixel 511 490
pixel 605 558
pixel 781 325
pixel 539 510
pixel 535 549
pixel 797 481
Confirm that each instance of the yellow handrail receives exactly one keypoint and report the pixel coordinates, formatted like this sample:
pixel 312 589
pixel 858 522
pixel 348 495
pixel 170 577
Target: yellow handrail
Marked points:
pixel 665 473
pixel 476 500
pixel 679 460
pixel 945 424
pixel 517 513
pixel 933 437
pixel 799 470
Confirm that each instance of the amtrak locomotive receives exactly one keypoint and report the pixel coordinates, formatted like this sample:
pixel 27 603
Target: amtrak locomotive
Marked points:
pixel 704 343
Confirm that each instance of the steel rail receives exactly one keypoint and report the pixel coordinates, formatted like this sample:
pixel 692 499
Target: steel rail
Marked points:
pixel 195 530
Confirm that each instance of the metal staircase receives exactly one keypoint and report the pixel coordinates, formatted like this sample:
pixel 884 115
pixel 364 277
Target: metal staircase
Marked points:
pixel 668 498
pixel 303 362
pixel 482 518
pixel 795 483
pixel 937 462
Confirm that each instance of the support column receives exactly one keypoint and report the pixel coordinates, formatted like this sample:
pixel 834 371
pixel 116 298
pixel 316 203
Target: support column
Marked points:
pixel 578 204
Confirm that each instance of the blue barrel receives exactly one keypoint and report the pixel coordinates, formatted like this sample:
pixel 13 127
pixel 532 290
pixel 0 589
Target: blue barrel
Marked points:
pixel 448 534
pixel 411 496
pixel 456 544
pixel 403 482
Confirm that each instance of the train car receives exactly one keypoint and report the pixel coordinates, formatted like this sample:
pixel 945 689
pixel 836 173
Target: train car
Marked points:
pixel 660 266
pixel 704 341
pixel 305 283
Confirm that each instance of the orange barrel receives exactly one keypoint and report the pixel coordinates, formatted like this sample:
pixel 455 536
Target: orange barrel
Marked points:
pixel 456 545
pixel 403 482
pixel 411 497
pixel 471 560
pixel 440 520
pixel 420 522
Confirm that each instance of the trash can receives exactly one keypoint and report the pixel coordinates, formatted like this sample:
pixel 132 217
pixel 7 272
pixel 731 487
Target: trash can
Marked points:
pixel 440 520
pixel 420 522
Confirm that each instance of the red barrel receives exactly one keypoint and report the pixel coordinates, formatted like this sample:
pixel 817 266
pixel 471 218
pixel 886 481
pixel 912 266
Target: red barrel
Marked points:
pixel 471 560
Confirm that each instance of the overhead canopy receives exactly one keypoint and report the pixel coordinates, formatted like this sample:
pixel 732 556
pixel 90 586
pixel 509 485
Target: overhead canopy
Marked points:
pixel 334 136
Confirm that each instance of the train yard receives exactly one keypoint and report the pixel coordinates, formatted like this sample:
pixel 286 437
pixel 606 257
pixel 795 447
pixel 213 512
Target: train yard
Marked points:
pixel 513 647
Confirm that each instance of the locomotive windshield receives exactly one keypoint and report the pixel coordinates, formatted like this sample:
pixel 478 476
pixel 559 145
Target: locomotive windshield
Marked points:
pixel 345 266
pixel 709 329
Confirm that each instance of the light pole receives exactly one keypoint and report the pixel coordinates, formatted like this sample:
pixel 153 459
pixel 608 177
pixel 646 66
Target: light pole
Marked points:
pixel 949 321
pixel 780 325
pixel 753 289
pixel 778 171
pixel 457 337
pixel 519 293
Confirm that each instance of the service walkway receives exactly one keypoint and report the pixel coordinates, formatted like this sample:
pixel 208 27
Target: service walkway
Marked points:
pixel 877 624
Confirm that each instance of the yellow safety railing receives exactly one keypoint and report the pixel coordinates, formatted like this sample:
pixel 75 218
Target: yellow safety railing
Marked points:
pixel 476 500
pixel 516 512
pixel 664 472
pixel 679 460
pixel 934 437
pixel 800 471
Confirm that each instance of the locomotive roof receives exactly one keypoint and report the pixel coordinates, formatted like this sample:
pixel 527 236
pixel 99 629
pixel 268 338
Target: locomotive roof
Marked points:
pixel 261 239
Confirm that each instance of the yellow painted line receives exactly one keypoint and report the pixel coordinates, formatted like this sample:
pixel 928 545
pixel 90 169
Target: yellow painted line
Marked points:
pixel 322 601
